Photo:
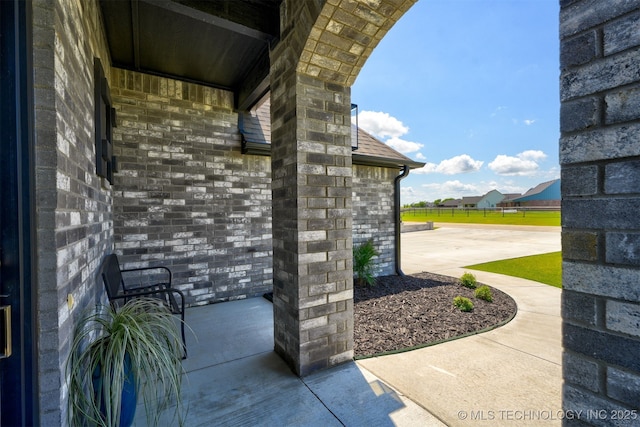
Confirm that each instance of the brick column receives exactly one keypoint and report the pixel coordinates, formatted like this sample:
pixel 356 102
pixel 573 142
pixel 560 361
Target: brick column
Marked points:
pixel 599 155
pixel 312 217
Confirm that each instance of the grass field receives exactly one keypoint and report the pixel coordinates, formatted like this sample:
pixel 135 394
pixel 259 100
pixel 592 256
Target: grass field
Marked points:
pixel 545 268
pixel 519 217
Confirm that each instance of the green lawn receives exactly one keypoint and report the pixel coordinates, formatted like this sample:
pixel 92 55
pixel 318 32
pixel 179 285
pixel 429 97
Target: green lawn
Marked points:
pixel 520 217
pixel 545 268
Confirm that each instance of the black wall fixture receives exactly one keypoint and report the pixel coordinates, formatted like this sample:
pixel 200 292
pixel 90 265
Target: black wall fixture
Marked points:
pixel 105 120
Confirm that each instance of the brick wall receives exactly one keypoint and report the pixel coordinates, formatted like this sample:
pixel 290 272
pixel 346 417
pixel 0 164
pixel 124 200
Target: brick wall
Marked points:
pixel 599 154
pixel 74 223
pixel 373 213
pixel 185 196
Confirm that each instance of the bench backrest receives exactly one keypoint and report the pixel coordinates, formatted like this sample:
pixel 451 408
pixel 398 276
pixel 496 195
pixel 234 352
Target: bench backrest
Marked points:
pixel 111 276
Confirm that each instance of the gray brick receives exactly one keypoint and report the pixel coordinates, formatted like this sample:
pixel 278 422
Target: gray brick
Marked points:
pixel 581 371
pixel 623 317
pixel 318 219
pixel 622 177
pixel 68 257
pixel 581 15
pixel 623 386
pixel 373 199
pixel 611 349
pixel 601 75
pixel 623 106
pixel 579 308
pixel 623 248
pixel 610 214
pixel 590 409
pixel 622 34
pixel 607 281
pixel 579 181
pixel 188 184
pixel 579 114
pixel 578 245
pixel 601 144
pixel 578 50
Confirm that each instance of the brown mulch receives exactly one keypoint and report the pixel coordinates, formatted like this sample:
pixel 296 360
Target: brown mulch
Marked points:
pixel 404 312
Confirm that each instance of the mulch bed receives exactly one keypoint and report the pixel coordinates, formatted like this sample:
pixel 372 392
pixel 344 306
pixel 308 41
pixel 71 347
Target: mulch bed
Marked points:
pixel 412 311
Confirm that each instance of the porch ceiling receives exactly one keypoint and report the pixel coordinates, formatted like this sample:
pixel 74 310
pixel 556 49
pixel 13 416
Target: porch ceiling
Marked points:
pixel 222 43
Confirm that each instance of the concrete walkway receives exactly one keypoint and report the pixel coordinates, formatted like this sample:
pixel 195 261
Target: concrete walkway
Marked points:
pixel 509 376
pixel 234 378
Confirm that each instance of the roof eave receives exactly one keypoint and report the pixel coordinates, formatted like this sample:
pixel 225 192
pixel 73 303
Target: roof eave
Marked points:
pixel 262 149
pixel 364 160
pixel 255 148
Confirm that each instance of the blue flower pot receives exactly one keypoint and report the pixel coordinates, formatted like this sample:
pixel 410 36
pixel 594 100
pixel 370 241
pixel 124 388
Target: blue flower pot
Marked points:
pixel 129 393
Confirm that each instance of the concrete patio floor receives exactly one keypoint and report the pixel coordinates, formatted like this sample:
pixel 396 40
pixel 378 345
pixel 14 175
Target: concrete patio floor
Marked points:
pixel 234 378
pixel 508 376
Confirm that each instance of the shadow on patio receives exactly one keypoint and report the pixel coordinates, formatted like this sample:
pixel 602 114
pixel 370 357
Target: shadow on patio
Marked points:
pixel 234 378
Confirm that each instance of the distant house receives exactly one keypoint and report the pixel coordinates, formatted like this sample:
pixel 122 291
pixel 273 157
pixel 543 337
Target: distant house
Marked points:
pixel 489 200
pixel 471 202
pixel 508 199
pixel 453 203
pixel 546 194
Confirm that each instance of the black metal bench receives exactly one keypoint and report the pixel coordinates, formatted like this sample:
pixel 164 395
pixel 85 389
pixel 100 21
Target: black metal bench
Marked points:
pixel 118 291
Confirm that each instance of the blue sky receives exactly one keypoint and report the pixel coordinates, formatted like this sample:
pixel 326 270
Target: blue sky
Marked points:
pixel 469 87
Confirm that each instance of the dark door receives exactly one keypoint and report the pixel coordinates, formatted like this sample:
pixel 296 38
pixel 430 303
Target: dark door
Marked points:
pixel 18 402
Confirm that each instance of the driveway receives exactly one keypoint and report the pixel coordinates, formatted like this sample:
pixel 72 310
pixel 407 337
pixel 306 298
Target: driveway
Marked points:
pixel 452 246
pixel 509 376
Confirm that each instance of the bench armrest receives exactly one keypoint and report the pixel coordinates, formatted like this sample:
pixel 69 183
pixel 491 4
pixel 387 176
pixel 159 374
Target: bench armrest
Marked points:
pixel 142 292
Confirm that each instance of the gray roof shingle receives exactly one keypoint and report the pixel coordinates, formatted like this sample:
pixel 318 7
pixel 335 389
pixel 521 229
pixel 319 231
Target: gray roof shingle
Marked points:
pixel 255 127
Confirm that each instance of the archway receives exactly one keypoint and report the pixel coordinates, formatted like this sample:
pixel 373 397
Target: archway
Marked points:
pixel 313 66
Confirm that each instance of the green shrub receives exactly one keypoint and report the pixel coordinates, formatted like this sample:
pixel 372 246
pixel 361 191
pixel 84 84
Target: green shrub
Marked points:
pixel 468 280
pixel 463 303
pixel 484 292
pixel 363 266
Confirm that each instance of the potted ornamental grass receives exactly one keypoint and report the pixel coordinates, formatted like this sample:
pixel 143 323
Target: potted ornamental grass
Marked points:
pixel 120 355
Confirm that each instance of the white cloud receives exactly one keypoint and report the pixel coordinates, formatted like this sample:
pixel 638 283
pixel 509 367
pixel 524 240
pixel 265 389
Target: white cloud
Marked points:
pixel 525 163
pixel 411 195
pixel 507 165
pixel 455 165
pixel 553 173
pixel 420 156
pixel 403 146
pixel 452 188
pixel 407 191
pixel 427 168
pixel 381 124
pixel 460 187
pixel 459 164
pixel 535 155
pixel 529 122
